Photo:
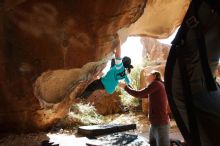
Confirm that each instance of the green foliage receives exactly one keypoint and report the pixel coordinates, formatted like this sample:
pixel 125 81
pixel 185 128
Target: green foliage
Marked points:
pixel 135 77
pixel 127 100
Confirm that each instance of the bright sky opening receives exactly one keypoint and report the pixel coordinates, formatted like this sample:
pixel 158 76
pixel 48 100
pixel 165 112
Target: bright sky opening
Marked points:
pixel 132 48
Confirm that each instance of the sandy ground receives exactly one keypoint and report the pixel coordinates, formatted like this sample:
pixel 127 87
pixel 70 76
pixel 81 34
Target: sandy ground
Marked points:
pixel 64 137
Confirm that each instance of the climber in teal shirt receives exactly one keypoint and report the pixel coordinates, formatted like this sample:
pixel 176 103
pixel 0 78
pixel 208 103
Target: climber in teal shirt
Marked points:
pixel 118 71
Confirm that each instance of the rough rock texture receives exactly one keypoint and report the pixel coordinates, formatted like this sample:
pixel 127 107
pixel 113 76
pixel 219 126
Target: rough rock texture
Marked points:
pixel 52 86
pixel 154 50
pixel 159 20
pixel 105 104
pixel 54 38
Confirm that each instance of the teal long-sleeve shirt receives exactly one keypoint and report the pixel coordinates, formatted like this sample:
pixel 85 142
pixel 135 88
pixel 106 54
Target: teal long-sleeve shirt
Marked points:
pixel 116 73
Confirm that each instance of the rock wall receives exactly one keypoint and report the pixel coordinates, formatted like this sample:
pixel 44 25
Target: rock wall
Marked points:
pixel 154 50
pixel 159 20
pixel 51 49
pixel 106 104
pixel 44 47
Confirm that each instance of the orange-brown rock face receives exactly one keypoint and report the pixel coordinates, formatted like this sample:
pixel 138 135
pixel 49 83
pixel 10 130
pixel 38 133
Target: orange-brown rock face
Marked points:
pixel 153 50
pixel 159 20
pixel 105 104
pixel 56 38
